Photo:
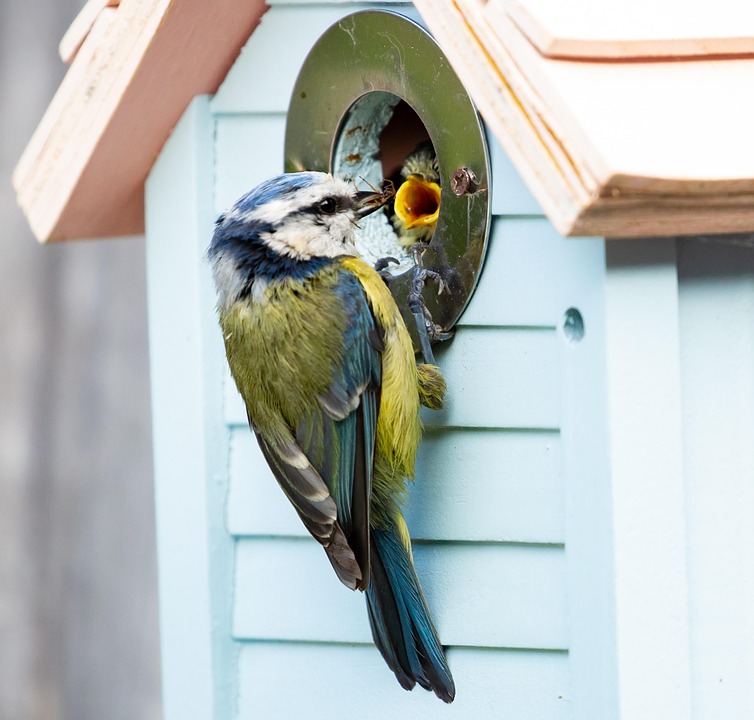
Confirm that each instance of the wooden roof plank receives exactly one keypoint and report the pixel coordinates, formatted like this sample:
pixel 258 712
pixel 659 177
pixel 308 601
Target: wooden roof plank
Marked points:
pixel 620 148
pixel 81 26
pixel 621 29
pixel 609 148
pixel 83 172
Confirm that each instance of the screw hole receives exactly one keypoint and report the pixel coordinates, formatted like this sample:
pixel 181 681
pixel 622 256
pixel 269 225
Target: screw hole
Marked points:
pixel 573 325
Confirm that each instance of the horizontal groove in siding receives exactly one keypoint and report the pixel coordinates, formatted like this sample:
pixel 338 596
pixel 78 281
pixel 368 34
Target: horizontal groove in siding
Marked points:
pixel 471 485
pixel 289 681
pixel 481 595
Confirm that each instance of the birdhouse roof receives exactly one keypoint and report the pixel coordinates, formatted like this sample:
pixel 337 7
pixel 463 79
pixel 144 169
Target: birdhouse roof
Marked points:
pixel 625 119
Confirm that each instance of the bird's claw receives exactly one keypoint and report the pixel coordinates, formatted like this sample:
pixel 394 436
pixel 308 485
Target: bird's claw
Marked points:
pixel 384 262
pixel 382 265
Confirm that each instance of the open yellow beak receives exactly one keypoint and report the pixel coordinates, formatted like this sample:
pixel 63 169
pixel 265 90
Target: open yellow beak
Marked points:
pixel 417 202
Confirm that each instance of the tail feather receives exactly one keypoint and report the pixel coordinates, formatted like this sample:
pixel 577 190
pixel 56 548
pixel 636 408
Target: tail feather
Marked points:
pixel 400 621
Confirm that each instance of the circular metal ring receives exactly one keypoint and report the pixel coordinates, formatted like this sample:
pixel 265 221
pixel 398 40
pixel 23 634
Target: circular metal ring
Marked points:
pixel 384 52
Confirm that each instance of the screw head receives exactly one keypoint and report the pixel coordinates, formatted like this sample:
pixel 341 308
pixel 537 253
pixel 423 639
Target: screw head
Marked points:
pixel 463 182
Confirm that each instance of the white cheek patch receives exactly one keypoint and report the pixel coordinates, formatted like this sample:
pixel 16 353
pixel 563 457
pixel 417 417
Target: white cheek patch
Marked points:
pixel 302 238
pixel 340 236
pixel 291 240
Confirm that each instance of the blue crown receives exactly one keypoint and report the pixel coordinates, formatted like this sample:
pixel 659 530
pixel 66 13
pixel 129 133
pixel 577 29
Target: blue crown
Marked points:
pixel 275 189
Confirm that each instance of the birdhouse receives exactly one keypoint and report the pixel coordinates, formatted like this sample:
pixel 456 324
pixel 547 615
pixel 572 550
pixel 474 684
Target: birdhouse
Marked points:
pixel 581 508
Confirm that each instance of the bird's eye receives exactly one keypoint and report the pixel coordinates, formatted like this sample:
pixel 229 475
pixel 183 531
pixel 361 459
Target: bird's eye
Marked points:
pixel 328 206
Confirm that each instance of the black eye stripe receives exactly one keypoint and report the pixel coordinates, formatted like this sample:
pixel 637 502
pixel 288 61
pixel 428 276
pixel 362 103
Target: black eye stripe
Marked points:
pixel 341 203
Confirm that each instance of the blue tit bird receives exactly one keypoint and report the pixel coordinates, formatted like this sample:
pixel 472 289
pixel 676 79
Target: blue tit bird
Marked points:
pixel 326 368
pixel 417 200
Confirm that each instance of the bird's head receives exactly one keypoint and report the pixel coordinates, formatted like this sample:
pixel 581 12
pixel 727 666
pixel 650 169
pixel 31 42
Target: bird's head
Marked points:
pixel 298 215
pixel 283 224
pixel 417 202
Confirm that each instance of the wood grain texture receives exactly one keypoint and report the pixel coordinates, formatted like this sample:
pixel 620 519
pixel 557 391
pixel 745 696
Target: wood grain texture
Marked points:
pixel 83 172
pixel 617 29
pixel 83 24
pixel 577 131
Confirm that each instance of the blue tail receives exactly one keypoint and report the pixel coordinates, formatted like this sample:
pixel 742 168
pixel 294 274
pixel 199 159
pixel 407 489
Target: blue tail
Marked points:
pixel 400 621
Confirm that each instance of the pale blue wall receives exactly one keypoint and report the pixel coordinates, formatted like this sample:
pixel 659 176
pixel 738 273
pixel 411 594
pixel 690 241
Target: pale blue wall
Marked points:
pixel 550 502
pixel 488 508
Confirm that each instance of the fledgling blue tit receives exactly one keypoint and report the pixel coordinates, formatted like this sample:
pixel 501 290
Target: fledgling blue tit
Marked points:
pixel 326 368
pixel 417 200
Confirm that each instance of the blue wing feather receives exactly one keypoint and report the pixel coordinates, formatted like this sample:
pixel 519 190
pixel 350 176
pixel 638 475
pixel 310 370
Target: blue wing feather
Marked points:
pixel 339 436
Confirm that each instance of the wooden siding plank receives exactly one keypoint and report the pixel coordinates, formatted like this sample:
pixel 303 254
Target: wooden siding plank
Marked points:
pixel 195 554
pixel 235 411
pixel 308 680
pixel 486 595
pixel 488 485
pixel 249 149
pixel 471 485
pixel 716 296
pixel 485 370
pixel 649 528
pixel 256 504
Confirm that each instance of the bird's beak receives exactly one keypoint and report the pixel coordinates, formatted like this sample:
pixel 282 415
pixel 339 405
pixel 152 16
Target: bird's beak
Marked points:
pixel 369 201
pixel 417 202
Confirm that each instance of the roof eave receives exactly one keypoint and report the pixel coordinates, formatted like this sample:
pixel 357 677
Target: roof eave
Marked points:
pixel 82 174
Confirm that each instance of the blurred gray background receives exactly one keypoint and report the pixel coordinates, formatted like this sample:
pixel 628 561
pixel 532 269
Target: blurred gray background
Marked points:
pixel 78 598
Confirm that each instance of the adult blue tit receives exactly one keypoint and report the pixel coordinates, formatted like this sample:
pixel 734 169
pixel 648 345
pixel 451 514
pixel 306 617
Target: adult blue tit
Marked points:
pixel 325 366
pixel 417 200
